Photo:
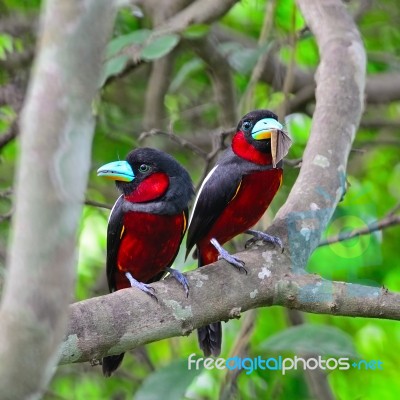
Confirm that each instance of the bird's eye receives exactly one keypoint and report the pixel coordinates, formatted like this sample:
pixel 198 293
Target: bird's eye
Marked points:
pixel 144 168
pixel 246 125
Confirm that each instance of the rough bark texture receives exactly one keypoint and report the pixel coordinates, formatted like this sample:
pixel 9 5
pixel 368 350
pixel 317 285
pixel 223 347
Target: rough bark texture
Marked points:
pixel 123 320
pixel 129 318
pixel 57 127
pixel 340 82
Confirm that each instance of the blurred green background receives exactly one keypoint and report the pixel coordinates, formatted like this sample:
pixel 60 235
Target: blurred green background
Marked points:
pixel 159 370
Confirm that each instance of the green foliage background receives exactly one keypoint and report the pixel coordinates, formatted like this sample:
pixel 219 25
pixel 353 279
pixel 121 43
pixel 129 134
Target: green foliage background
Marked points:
pixel 160 370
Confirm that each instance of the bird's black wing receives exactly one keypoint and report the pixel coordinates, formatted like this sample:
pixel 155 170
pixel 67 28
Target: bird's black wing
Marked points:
pixel 218 189
pixel 114 234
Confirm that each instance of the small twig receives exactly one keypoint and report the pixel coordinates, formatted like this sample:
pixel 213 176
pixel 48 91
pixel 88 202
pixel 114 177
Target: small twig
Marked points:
pixel 295 162
pixel 301 98
pixel 379 123
pixel 97 204
pixel 394 210
pixel 389 220
pixel 7 216
pixel 359 151
pixel 5 194
pixel 177 139
pixel 379 142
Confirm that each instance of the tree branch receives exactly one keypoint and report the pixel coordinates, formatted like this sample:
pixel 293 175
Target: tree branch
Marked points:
pixel 158 84
pixel 129 318
pixel 380 88
pixel 198 12
pixel 177 139
pixel 218 67
pixel 57 126
pixel 161 70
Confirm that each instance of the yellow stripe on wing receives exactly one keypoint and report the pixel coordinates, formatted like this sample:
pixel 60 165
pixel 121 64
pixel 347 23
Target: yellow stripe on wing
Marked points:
pixel 237 191
pixel 184 223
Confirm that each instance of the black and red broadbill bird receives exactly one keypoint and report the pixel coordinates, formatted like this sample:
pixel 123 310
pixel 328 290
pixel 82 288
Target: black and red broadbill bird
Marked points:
pixel 234 196
pixel 147 223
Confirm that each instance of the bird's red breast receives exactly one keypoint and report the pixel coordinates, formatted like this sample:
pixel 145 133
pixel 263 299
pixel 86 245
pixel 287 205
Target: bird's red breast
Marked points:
pixel 251 200
pixel 150 188
pixel 149 244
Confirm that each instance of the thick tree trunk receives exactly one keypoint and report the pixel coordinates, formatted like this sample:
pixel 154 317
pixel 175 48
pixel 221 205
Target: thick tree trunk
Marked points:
pixel 57 127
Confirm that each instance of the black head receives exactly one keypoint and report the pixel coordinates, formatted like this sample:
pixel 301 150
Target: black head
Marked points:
pixel 247 123
pixel 260 136
pixel 145 162
pixel 141 164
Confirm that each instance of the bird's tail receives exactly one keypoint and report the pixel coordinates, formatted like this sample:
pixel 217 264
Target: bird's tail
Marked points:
pixel 209 336
pixel 111 363
pixel 210 339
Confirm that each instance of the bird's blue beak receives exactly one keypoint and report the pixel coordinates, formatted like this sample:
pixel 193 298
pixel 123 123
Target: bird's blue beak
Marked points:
pixel 264 127
pixel 117 171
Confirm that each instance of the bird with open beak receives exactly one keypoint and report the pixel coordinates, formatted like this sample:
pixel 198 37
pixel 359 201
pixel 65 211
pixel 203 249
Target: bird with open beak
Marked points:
pixel 234 196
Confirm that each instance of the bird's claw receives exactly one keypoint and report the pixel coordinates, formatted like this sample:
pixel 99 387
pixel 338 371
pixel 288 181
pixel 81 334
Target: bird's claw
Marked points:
pixel 236 262
pixel 257 235
pixel 180 278
pixel 223 254
pixel 144 287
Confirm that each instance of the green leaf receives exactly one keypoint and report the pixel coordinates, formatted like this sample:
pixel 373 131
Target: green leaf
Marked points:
pixel 244 60
pixel 113 67
pixel 6 45
pixel 196 31
pixel 120 42
pixel 159 47
pixel 184 72
pixel 168 383
pixel 312 339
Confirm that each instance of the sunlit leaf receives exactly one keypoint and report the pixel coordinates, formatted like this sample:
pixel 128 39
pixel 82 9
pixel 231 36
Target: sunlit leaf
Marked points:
pixel 120 42
pixel 113 67
pixel 196 31
pixel 6 45
pixel 159 47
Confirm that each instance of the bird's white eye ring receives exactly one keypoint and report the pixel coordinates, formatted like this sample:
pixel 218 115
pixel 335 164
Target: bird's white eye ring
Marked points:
pixel 144 168
pixel 246 125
